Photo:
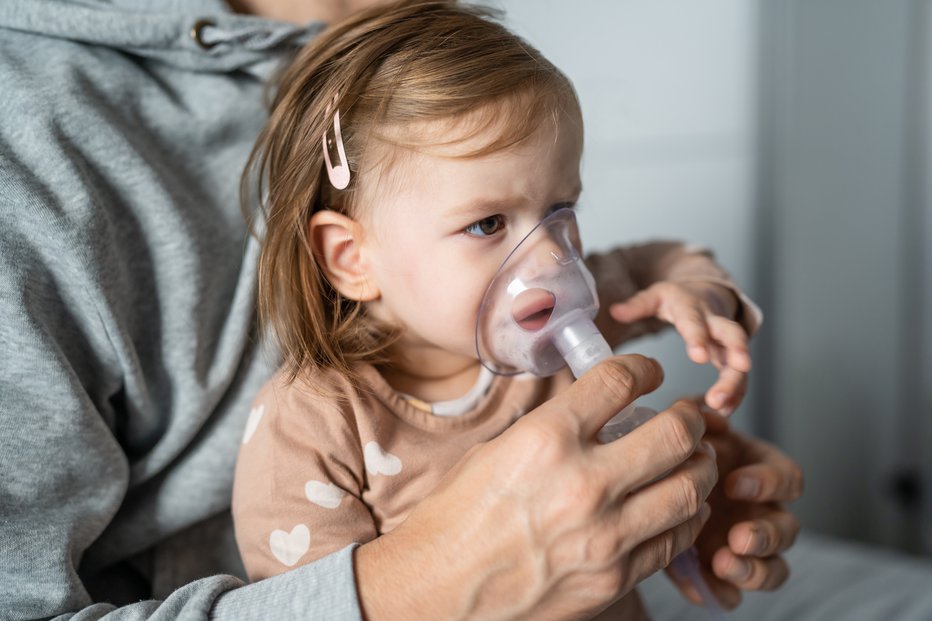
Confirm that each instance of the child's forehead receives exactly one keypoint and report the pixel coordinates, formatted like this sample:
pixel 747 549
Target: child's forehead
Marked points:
pixel 492 129
pixel 450 148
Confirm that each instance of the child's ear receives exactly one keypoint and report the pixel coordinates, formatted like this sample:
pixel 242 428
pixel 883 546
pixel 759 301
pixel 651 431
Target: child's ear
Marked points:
pixel 337 241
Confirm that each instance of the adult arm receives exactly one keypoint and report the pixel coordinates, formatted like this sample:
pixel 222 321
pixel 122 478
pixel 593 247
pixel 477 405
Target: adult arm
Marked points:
pixel 71 503
pixel 67 477
pixel 543 521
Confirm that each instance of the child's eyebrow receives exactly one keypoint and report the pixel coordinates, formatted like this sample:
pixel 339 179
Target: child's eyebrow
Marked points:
pixel 488 205
pixel 496 204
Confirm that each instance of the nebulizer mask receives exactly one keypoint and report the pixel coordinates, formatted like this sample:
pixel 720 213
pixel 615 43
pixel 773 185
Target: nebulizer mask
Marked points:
pixel 537 314
pixel 537 317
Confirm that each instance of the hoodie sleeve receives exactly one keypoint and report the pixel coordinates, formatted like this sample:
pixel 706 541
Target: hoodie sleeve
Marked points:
pixel 66 472
pixel 124 361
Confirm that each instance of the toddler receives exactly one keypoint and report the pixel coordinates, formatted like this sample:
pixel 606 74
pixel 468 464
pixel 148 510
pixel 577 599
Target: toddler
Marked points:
pixel 409 149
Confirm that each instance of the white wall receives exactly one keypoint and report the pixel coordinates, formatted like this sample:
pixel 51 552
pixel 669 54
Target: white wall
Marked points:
pixel 794 138
pixel 847 172
pixel 668 96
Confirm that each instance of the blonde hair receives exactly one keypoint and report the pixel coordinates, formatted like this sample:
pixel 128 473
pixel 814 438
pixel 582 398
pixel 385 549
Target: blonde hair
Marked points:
pixel 389 66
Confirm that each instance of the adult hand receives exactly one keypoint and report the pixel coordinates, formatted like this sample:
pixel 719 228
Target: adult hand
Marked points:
pixel 544 522
pixel 749 528
pixel 703 313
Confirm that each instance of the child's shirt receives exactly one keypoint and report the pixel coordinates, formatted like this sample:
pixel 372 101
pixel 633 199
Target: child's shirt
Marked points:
pixel 324 463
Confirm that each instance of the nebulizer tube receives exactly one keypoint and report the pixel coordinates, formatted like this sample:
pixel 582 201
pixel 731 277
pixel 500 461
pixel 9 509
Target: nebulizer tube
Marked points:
pixel 537 317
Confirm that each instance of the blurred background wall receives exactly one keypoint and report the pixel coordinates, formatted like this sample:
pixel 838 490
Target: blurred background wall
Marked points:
pixel 792 137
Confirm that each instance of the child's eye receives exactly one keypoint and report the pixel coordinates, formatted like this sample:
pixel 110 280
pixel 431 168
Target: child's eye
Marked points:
pixel 486 226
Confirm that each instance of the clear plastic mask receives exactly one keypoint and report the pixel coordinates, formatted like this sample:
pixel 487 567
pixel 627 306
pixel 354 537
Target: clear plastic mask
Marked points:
pixel 537 317
pixel 537 312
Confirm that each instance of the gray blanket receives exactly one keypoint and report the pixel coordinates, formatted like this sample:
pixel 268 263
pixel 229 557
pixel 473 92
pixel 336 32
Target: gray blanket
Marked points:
pixel 830 580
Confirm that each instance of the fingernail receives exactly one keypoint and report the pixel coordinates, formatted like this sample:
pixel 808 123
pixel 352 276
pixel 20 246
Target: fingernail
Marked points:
pixel 705 512
pixel 740 570
pixel 753 544
pixel 717 400
pixel 746 487
pixel 695 351
pixel 709 449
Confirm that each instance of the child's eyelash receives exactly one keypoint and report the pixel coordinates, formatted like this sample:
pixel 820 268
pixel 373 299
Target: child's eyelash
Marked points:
pixel 488 226
pixel 478 228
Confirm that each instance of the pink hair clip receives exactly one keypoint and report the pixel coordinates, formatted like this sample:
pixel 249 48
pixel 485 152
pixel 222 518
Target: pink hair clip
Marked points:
pixel 340 174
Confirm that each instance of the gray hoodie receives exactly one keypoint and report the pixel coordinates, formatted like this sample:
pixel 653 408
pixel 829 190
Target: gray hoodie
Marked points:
pixel 127 360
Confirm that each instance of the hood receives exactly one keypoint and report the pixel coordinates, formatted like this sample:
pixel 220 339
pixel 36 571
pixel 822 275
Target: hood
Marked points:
pixel 160 29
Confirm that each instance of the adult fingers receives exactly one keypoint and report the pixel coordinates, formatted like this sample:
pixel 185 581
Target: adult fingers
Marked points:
pixel 672 500
pixel 656 447
pixel 748 573
pixel 771 477
pixel 605 390
pixel 765 535
pixel 657 552
pixel 727 595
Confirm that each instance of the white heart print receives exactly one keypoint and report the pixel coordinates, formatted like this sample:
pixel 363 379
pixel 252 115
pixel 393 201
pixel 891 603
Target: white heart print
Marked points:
pixel 326 495
pixel 380 462
pixel 255 415
pixel 290 547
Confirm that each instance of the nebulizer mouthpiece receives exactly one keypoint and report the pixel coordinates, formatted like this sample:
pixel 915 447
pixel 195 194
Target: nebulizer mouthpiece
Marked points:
pixel 537 314
pixel 537 317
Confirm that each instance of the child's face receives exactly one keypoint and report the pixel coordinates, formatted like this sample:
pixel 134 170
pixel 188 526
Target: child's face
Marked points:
pixel 440 225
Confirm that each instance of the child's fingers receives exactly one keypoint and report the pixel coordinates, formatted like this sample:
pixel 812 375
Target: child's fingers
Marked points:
pixel 728 392
pixel 732 337
pixel 708 337
pixel 690 322
pixel 641 305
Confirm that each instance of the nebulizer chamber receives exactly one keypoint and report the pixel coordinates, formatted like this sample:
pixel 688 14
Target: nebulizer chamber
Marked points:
pixel 537 317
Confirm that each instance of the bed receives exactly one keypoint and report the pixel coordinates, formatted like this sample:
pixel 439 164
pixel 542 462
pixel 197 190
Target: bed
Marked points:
pixel 830 580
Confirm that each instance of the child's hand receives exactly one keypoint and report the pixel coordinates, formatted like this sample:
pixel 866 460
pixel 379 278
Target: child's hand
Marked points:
pixel 701 312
